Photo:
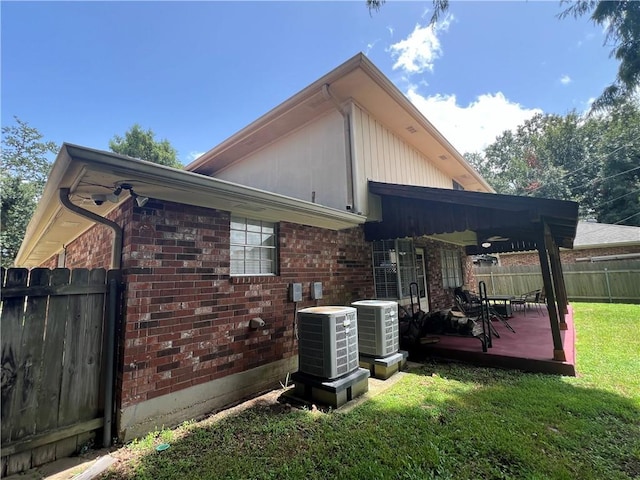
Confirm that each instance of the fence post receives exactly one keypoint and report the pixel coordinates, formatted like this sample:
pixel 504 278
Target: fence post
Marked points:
pixel 606 276
pixel 493 287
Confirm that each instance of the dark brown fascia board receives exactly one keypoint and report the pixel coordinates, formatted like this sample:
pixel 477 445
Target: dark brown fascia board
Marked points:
pixel 557 208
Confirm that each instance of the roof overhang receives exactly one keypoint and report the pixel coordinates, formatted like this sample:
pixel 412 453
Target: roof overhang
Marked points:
pixel 503 223
pixel 360 81
pixel 87 171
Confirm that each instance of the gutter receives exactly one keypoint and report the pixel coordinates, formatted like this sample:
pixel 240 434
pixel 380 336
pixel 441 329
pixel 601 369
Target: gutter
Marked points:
pixel 116 249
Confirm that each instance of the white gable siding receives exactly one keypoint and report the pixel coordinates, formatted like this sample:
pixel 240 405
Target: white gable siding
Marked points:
pixel 311 159
pixel 382 156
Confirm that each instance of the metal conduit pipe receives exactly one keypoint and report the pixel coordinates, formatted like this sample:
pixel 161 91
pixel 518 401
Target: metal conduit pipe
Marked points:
pixel 116 261
pixel 351 167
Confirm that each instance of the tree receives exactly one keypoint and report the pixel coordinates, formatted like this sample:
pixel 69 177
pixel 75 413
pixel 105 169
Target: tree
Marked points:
pixel 25 168
pixel 594 161
pixel 621 21
pixel 138 143
pixel 618 189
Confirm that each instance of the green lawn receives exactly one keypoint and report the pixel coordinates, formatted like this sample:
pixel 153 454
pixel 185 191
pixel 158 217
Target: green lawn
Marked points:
pixel 439 421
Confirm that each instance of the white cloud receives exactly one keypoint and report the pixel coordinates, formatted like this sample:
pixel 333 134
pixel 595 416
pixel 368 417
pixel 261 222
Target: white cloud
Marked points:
pixel 390 30
pixel 194 155
pixel 421 48
pixel 370 46
pixel 474 127
pixel 565 79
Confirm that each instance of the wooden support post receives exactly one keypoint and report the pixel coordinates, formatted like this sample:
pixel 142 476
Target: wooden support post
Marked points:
pixel 558 281
pixel 558 349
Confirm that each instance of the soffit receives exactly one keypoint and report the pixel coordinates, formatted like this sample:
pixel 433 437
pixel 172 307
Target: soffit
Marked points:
pixel 86 171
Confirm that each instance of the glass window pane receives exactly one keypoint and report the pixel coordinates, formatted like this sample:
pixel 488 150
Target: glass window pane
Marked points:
pixel 238 237
pixel 252 267
pixel 238 223
pixel 268 240
pixel 268 227
pixel 253 238
pixel 252 253
pixel 254 225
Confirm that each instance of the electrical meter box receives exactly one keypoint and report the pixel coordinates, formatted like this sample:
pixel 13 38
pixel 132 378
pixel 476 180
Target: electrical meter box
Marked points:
pixel 295 292
pixel 316 290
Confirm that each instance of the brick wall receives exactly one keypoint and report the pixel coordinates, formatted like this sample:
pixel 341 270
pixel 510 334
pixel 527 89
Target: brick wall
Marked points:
pixel 566 256
pixel 188 320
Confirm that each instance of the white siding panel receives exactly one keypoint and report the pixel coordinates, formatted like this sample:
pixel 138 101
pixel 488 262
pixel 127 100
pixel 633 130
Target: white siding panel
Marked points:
pixel 311 159
pixel 384 157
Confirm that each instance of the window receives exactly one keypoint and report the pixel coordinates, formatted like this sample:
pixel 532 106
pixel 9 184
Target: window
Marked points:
pixel 451 269
pixel 393 268
pixel 253 247
pixel 457 186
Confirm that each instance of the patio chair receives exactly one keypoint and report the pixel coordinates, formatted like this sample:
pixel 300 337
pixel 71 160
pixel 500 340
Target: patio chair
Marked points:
pixel 526 300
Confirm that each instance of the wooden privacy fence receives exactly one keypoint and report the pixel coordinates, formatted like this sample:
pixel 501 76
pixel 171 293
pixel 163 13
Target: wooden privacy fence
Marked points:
pixel 52 363
pixel 611 282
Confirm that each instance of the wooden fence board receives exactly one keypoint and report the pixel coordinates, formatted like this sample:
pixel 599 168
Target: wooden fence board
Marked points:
pixel 49 394
pixel 12 320
pixel 615 281
pixel 29 381
pixel 52 359
pixel 70 390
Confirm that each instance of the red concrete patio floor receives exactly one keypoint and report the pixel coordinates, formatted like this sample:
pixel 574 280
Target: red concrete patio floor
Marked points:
pixel 529 349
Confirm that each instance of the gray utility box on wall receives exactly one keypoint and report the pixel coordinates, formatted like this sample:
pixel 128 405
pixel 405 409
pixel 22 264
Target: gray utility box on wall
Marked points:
pixel 377 327
pixel 327 341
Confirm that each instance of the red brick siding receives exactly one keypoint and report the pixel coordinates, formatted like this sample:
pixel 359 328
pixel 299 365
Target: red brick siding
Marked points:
pixel 566 256
pixel 187 320
pixel 52 262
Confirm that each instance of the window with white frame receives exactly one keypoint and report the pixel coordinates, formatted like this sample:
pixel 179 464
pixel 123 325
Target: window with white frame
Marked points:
pixel 451 269
pixel 393 267
pixel 253 247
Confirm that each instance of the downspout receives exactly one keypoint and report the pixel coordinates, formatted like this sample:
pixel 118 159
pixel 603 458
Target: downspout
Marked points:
pixel 351 167
pixel 116 252
pixel 110 345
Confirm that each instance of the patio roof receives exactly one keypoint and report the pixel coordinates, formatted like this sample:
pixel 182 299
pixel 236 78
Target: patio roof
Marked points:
pixel 508 223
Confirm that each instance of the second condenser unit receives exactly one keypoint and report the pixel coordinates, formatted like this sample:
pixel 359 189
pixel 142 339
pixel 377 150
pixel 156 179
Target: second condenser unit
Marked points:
pixel 377 327
pixel 327 341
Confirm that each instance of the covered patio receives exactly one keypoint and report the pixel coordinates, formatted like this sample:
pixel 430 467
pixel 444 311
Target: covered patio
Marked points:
pixel 527 349
pixel 486 223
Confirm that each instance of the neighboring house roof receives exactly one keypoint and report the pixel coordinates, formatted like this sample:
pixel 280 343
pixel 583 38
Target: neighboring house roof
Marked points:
pixel 86 171
pixel 356 80
pixel 600 235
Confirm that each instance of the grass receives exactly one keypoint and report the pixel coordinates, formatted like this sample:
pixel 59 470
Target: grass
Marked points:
pixel 438 421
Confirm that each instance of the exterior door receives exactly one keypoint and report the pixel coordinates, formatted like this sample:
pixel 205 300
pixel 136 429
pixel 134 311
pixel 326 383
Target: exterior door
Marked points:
pixel 421 279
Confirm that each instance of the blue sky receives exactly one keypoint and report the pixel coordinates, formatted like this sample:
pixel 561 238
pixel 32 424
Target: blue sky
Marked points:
pixel 196 72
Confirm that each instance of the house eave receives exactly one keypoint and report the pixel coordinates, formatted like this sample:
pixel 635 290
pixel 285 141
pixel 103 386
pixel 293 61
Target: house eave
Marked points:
pixel 86 171
pixel 346 83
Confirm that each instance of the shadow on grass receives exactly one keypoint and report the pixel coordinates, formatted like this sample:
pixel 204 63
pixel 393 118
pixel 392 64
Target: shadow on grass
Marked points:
pixel 439 421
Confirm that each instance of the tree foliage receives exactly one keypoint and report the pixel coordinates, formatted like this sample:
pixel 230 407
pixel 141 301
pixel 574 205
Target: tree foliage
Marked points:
pixel 621 21
pixel 138 143
pixel 25 168
pixel 594 161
